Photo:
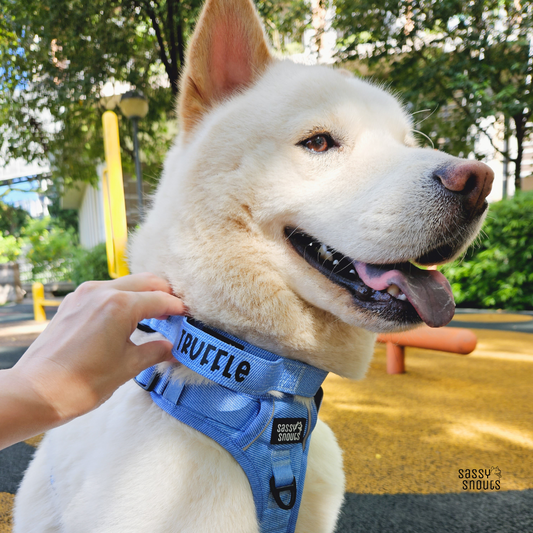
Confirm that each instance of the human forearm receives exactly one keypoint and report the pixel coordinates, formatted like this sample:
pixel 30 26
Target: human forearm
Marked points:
pixel 83 355
pixel 23 412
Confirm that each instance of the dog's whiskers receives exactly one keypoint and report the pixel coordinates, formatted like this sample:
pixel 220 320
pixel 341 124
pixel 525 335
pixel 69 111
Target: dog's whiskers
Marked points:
pixel 424 135
pixel 292 232
pixel 423 111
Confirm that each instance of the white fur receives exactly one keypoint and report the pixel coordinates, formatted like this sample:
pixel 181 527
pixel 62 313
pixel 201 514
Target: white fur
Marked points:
pixel 231 184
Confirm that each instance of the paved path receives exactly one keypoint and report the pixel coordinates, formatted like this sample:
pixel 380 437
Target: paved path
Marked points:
pixel 500 321
pixel 406 437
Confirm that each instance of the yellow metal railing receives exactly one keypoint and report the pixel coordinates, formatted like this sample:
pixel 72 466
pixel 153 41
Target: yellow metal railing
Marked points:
pixel 39 302
pixel 116 228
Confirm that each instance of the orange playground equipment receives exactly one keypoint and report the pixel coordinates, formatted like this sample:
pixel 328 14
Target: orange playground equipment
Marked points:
pixel 454 340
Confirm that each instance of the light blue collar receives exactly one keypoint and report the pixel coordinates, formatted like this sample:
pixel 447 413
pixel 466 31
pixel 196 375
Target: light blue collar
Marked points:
pixel 234 363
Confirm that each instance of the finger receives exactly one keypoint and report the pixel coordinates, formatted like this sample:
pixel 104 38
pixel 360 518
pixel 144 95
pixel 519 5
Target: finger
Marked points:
pixel 141 282
pixel 150 354
pixel 156 304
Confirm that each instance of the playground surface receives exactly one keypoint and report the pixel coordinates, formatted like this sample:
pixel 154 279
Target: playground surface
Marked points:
pixel 411 441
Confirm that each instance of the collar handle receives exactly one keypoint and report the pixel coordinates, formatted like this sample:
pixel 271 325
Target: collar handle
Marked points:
pixel 234 363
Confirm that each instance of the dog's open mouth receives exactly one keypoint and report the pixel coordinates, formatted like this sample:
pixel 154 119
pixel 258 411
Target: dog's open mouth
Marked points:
pixel 400 292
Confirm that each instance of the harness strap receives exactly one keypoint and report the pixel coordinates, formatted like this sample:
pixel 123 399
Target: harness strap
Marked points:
pixel 268 436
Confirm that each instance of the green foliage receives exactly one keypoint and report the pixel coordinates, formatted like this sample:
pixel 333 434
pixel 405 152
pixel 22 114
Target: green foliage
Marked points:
pixel 10 248
pixel 50 247
pixel 462 61
pixel 90 265
pixel 57 55
pixel 65 218
pixel 12 219
pixel 284 21
pixel 497 272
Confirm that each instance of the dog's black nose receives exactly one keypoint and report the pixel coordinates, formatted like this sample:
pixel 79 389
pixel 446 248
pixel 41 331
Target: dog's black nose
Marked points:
pixel 470 181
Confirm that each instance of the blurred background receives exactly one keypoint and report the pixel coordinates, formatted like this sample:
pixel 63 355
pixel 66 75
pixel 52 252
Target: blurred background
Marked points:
pixel 462 69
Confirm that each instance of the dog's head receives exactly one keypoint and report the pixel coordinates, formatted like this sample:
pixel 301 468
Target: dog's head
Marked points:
pixel 295 202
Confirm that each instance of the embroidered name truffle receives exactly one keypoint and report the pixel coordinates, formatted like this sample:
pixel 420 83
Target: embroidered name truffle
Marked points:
pixel 217 359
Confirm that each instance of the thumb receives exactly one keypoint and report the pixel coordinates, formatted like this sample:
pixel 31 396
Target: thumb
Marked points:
pixel 152 353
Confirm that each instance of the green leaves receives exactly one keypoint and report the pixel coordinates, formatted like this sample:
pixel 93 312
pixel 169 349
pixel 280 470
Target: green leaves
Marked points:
pixel 497 271
pixel 10 248
pixel 50 247
pixel 284 21
pixel 12 219
pixel 90 265
pixel 57 55
pixel 466 61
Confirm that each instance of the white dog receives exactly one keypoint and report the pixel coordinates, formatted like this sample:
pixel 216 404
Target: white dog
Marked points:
pixel 290 211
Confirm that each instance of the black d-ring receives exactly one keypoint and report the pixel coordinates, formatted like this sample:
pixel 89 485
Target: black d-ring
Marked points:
pixel 277 496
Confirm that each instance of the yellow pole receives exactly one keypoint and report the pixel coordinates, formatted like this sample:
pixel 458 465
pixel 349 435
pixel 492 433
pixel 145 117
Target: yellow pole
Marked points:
pixel 114 204
pixel 37 290
pixel 109 245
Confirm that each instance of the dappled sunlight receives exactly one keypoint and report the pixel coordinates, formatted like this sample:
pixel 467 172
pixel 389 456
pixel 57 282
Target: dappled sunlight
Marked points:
pixel 515 357
pixel 504 345
pixel 493 318
pixel 479 430
pixel 412 432
pixel 369 408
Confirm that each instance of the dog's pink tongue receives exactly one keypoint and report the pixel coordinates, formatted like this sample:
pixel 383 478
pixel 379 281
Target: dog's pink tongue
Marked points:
pixel 428 291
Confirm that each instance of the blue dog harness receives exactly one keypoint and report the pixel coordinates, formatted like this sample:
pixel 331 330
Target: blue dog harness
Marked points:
pixel 267 435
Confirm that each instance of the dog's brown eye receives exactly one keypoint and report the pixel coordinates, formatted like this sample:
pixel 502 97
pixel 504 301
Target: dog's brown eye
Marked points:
pixel 319 143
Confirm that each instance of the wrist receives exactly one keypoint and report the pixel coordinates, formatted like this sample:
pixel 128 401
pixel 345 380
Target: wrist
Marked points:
pixel 23 412
pixel 60 392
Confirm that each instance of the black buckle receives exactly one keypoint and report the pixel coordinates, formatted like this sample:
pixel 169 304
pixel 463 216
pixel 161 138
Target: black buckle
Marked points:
pixel 318 398
pixel 277 496
pixel 152 382
pixel 145 328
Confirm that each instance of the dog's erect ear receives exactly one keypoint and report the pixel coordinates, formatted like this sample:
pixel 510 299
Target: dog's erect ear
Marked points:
pixel 228 52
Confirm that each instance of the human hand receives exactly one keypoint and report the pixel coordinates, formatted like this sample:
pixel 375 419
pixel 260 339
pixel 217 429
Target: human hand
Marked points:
pixel 85 353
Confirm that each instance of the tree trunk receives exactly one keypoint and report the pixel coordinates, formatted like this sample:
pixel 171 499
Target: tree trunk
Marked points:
pixel 505 157
pixel 173 45
pixel 520 121
pixel 318 19
pixel 168 28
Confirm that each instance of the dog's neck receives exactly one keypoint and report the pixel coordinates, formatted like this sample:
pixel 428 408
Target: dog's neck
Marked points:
pixel 288 326
pixel 250 299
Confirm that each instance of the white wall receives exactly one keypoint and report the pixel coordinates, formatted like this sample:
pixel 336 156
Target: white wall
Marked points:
pixel 91 215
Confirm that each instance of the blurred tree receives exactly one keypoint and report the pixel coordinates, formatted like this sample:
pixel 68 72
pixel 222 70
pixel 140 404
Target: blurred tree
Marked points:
pixel 497 271
pixel 10 248
pixel 463 61
pixel 12 219
pixel 57 55
pixel 51 248
pixel 285 21
pixel 89 264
